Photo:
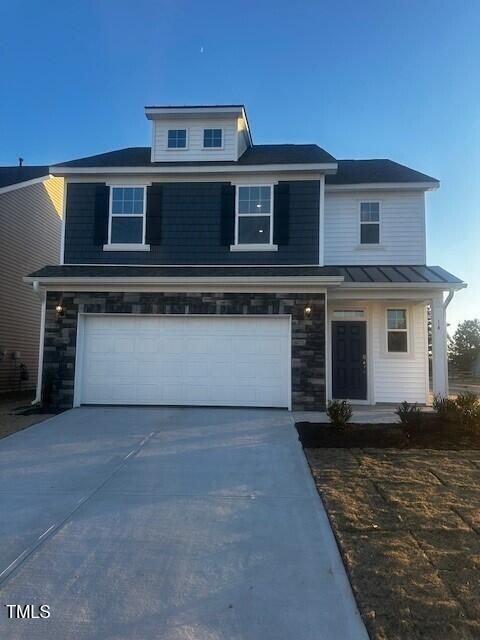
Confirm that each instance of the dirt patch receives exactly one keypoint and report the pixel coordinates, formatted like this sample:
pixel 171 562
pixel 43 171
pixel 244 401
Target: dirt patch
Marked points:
pixel 17 413
pixel 408 528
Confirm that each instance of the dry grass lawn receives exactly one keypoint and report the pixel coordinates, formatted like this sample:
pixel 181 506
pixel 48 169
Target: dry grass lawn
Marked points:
pixel 408 524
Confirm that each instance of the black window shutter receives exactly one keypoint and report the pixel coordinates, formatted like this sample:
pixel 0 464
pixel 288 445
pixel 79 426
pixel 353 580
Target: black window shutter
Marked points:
pixel 102 204
pixel 227 223
pixel 154 214
pixel 281 213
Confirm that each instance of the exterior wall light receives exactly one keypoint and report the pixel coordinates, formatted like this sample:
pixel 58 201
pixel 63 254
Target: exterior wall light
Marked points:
pixel 307 312
pixel 60 311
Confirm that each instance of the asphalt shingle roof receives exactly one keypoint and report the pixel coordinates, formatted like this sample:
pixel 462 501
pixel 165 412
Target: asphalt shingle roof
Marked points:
pixel 373 171
pixel 367 274
pixel 258 154
pixel 349 171
pixel 15 175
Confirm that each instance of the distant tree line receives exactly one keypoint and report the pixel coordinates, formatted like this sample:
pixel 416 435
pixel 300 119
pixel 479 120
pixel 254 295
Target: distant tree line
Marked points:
pixel 464 347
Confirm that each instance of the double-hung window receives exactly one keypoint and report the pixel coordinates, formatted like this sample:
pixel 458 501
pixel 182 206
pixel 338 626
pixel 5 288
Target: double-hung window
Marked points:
pixel 397 331
pixel 254 220
pixel 212 138
pixel 177 139
pixel 369 223
pixel 127 216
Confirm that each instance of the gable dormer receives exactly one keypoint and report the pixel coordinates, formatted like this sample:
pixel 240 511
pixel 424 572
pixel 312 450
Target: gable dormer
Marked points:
pixel 198 134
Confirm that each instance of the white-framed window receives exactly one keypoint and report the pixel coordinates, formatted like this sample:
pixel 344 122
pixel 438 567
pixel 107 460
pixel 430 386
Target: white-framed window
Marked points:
pixel 369 223
pixel 397 331
pixel 254 215
pixel 212 138
pixel 177 139
pixel 127 215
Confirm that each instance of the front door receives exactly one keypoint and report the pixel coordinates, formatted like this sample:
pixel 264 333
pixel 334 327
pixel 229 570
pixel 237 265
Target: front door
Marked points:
pixel 349 360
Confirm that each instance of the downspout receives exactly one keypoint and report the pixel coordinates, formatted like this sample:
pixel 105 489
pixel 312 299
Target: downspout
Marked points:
pixel 448 299
pixel 43 297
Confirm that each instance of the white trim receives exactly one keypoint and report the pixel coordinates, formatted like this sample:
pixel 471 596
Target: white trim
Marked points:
pixel 253 247
pixel 384 186
pixel 222 146
pixel 25 183
pixel 64 223
pixel 143 215
pixel 368 245
pixel 77 386
pixel 198 168
pixel 79 351
pixel 187 136
pixel 126 247
pixel 321 223
pixel 267 246
pixel 41 341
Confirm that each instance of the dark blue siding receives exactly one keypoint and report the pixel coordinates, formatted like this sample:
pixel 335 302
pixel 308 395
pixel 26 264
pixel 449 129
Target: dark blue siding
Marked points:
pixel 191 215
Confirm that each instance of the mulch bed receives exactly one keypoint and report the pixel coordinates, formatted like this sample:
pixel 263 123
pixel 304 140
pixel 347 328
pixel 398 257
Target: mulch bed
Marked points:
pixel 431 433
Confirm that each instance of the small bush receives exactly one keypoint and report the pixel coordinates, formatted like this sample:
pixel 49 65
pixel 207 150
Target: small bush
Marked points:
pixel 468 410
pixel 445 407
pixel 339 412
pixel 409 414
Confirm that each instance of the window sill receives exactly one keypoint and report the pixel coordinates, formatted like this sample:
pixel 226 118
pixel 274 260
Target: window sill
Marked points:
pixel 375 247
pixel 253 247
pixel 126 247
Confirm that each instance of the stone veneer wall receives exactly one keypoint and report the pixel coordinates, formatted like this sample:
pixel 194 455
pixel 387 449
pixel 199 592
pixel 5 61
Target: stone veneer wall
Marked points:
pixel 308 334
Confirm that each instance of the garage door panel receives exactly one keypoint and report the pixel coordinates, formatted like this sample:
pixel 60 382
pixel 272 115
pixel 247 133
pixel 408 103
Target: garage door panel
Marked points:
pixel 224 361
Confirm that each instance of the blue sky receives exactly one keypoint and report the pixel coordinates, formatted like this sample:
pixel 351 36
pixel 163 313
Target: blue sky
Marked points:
pixel 396 79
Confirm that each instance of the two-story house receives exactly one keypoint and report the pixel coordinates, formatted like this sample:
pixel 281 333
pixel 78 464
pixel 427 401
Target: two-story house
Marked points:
pixel 207 270
pixel 31 202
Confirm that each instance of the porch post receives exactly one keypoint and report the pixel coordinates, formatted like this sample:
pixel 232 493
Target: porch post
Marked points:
pixel 439 347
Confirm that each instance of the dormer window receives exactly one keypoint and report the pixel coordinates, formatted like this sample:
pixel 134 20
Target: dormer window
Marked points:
pixel 212 138
pixel 177 139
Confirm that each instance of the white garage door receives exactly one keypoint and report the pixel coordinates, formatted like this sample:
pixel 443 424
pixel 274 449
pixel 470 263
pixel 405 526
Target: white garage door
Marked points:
pixel 225 361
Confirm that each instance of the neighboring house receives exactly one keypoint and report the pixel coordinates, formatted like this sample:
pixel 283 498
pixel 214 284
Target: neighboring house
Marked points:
pixel 207 270
pixel 30 233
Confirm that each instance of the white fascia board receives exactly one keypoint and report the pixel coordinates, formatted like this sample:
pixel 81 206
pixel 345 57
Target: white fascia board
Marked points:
pixel 384 186
pixel 445 286
pixel 153 113
pixel 251 168
pixel 272 280
pixel 181 285
pixel 26 183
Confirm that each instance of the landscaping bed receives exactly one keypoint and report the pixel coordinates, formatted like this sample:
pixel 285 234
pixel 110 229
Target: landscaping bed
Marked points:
pixel 430 433
pixel 408 526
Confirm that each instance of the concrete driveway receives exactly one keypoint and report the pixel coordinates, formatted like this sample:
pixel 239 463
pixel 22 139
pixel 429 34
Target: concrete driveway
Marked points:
pixel 171 524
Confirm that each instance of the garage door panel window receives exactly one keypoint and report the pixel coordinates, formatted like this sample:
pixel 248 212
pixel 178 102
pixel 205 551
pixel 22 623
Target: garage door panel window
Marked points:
pixel 127 215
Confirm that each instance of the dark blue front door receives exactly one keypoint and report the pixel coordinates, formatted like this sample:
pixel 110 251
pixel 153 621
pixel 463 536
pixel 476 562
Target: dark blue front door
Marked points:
pixel 349 360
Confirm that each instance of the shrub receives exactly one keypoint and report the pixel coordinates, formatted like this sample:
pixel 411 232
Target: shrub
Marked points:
pixel 339 412
pixel 408 413
pixel 445 407
pixel 468 409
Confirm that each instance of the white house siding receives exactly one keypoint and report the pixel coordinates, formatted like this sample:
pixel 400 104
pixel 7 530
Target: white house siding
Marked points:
pixel 402 228
pixel 399 377
pixel 194 150
pixel 30 222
